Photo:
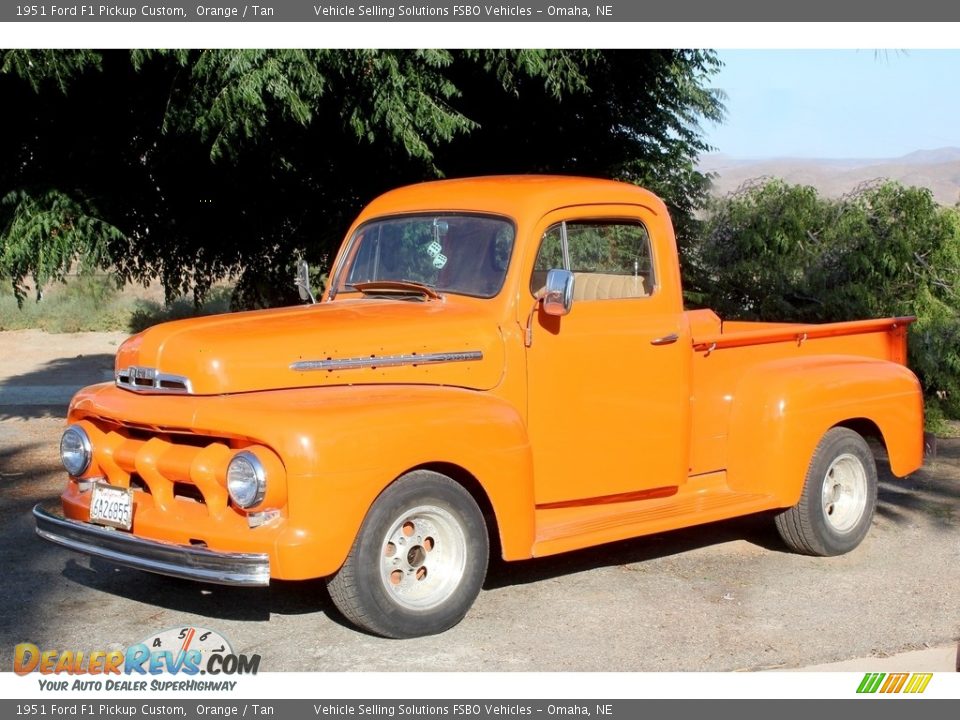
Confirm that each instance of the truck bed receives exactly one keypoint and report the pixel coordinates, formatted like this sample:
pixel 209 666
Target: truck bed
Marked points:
pixel 723 352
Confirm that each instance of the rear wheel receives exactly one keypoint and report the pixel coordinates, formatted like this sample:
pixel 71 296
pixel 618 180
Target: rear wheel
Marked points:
pixel 419 559
pixel 838 500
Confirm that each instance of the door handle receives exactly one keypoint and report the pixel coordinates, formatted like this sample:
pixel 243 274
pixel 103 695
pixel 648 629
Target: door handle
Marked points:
pixel 665 340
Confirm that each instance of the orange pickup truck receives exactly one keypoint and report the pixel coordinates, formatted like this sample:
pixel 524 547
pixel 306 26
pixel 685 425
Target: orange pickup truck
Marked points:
pixel 502 362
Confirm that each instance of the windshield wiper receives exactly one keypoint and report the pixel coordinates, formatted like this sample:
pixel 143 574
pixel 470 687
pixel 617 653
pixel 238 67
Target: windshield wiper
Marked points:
pixel 399 287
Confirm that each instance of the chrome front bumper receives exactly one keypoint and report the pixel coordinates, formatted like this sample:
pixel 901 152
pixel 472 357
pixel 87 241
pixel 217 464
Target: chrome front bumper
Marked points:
pixel 182 561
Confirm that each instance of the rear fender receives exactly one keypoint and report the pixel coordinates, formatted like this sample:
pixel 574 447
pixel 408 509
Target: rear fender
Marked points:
pixel 782 409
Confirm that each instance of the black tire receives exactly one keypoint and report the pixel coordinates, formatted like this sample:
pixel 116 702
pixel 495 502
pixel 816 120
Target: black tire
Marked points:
pixel 418 562
pixel 838 500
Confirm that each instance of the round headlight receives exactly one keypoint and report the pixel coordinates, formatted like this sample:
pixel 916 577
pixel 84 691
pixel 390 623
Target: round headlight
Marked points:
pixel 246 479
pixel 75 450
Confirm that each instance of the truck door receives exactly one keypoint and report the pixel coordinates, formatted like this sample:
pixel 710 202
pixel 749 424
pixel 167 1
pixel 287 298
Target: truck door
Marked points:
pixel 608 383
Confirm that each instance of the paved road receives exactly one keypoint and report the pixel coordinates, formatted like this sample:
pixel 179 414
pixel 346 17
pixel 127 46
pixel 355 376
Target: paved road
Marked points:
pixel 40 370
pixel 721 597
pixel 40 395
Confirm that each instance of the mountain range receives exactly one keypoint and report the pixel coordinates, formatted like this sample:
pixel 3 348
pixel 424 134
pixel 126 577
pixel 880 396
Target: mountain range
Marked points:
pixel 937 169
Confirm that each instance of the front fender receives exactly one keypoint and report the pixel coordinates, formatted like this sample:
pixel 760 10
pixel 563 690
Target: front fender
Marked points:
pixel 342 446
pixel 783 408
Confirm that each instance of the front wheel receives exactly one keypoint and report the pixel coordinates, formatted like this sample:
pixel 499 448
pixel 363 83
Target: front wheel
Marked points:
pixel 419 559
pixel 838 500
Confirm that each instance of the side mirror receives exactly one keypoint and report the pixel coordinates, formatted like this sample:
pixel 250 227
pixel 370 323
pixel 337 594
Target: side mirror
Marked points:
pixel 303 282
pixel 557 294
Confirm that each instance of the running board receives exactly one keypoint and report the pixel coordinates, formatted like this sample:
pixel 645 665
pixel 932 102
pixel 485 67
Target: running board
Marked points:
pixel 703 499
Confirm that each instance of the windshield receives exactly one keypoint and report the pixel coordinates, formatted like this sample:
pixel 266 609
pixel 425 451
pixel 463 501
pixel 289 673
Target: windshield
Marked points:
pixel 461 254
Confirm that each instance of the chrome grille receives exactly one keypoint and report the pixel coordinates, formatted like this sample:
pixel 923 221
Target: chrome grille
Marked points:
pixel 150 380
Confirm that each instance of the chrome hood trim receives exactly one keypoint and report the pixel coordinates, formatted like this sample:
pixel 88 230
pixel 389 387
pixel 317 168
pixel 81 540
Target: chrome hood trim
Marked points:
pixel 381 361
pixel 262 350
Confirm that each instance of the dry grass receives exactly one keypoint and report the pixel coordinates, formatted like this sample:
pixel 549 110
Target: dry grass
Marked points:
pixel 93 303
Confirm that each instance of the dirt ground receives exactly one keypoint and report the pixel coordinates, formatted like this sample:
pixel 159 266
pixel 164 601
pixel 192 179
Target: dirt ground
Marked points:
pixel 726 596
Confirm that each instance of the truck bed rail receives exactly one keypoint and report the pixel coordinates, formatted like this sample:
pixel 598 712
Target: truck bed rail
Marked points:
pixel 798 333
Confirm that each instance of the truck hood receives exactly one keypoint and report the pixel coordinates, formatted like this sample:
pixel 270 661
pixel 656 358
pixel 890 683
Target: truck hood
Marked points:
pixel 347 342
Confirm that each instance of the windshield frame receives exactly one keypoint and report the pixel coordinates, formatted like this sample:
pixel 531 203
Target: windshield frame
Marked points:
pixel 350 248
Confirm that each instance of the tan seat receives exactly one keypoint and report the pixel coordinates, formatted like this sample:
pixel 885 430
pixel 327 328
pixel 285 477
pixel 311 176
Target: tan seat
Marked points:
pixel 605 286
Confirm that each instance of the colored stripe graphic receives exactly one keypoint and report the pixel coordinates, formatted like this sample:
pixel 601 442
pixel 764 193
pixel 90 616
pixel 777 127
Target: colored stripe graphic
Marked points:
pixel 914 683
pixel 918 683
pixel 894 682
pixel 870 682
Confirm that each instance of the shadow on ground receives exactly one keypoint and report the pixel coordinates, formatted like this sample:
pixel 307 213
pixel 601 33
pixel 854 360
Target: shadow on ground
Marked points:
pixel 931 494
pixel 184 596
pixel 218 602
pixel 46 391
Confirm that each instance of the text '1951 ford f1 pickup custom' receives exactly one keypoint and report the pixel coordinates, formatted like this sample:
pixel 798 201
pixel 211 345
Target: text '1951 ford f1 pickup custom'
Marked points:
pixel 496 360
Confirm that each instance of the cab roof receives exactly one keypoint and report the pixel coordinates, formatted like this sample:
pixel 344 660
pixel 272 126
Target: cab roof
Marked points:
pixel 516 196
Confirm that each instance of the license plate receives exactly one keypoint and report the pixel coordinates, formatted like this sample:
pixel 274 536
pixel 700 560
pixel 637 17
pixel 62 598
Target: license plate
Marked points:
pixel 111 506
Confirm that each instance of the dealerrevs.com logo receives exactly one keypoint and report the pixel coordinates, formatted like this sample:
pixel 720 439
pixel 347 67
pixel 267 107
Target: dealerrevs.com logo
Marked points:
pixel 185 651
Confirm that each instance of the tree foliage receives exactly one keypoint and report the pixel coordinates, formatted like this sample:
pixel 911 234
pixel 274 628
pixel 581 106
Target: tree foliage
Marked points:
pixel 48 233
pixel 44 67
pixel 191 166
pixel 629 115
pixel 782 253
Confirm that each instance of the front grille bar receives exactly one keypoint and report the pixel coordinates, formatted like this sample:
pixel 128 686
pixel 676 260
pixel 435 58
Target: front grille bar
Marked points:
pixel 150 380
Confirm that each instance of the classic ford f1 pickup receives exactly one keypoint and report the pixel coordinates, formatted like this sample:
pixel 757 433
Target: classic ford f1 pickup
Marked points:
pixel 497 362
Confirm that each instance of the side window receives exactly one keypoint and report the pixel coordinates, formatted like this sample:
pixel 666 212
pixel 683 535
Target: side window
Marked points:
pixel 549 256
pixel 610 259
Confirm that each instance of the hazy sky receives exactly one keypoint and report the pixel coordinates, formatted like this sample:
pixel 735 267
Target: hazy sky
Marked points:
pixel 837 103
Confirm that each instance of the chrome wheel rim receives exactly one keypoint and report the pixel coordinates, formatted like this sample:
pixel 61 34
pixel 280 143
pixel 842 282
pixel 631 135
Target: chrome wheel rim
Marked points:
pixel 423 557
pixel 844 494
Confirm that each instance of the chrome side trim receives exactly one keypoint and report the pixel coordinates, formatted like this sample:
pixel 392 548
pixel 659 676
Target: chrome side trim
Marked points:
pixel 181 561
pixel 150 380
pixel 387 361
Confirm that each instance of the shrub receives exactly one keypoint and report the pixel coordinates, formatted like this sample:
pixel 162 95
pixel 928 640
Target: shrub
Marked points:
pixel 781 253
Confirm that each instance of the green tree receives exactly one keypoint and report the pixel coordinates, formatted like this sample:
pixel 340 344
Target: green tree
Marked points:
pixel 894 251
pixel 192 166
pixel 777 252
pixel 756 256
pixel 631 115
